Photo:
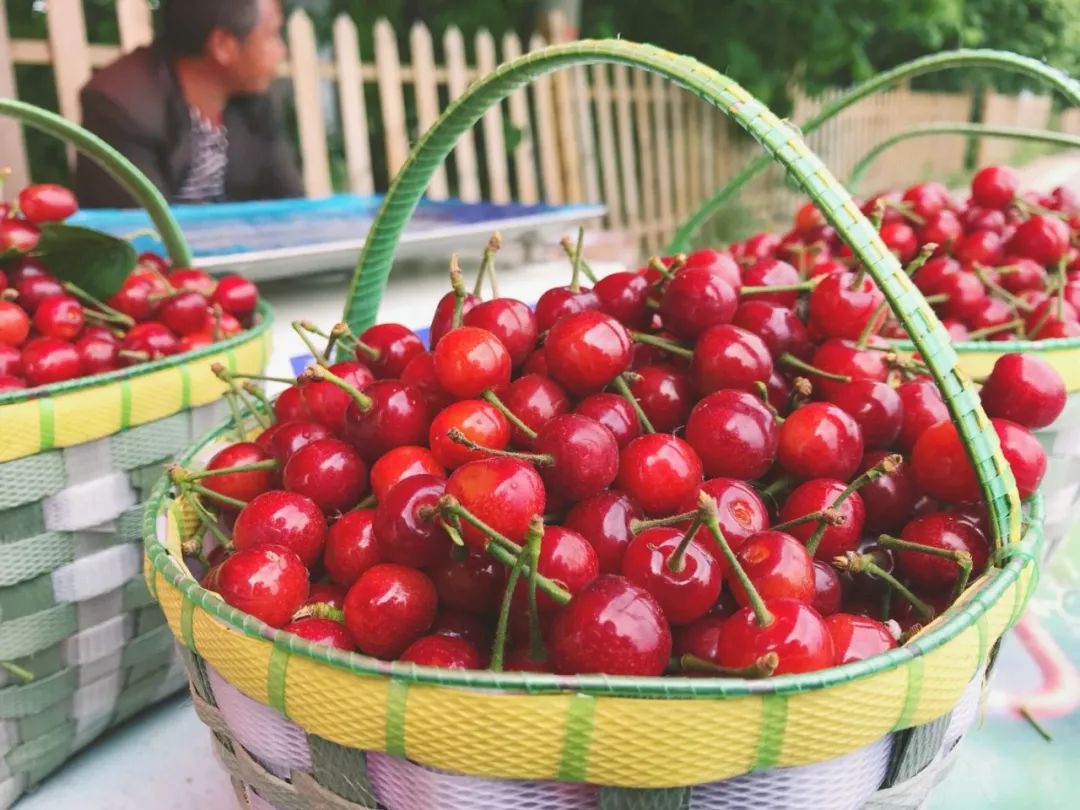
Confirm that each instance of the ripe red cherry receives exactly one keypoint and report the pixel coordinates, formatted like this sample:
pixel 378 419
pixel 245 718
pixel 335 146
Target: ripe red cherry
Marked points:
pixel 699 638
pixel 322 631
pixel 819 494
pixel 922 407
pixel 558 302
pixel 478 421
pixel 326 593
pixel 388 608
pixel 390 347
pixel 778 565
pixel 994 187
pixel 584 456
pixel 758 246
pixel 1046 320
pixel 740 511
pixel 504 493
pixel 613 627
pixel 534 399
pixel 1042 238
pixel 565 557
pixel 509 320
pixel 890 499
pixel 875 407
pixel 10 361
pixel 982 247
pixel 184 313
pixel 470 361
pixel 243 486
pixel 1025 389
pixel 59 316
pixel 820 440
pixel 471 583
pixel 734 434
pixel 134 296
pixel 328 471
pixel 942 229
pixel 797 634
pixel 48 360
pixel 98 353
pixel 1026 275
pixel 773 273
pixel 467 626
pixel 402 463
pixel 283 439
pixel 18 235
pixel 47 202
pixel 35 289
pixel 407 525
pixel 846 358
pixel 808 217
pixel 856 638
pixel 236 295
pixel 284 519
pixel 443 319
pixel 420 375
pixel 663 392
pixel 9 383
pixel 828 593
pixel 901 239
pixel 779 328
pixel 604 521
pixel 659 471
pixel 267 582
pixel 586 351
pixel 187 278
pixel 727 356
pixel 351 548
pixel 719 262
pixel 613 412
pixel 927 199
pixel 841 308
pixel 153 339
pixel 625 296
pixel 444 652
pixel 397 416
pixel 940 530
pixel 14 325
pixel 695 299
pixel 685 592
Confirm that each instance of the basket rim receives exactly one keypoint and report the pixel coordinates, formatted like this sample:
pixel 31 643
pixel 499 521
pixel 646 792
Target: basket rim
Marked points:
pixel 949 625
pixel 264 322
pixel 1003 347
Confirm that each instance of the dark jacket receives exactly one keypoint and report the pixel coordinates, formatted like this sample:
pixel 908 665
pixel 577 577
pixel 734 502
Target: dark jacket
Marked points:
pixel 136 105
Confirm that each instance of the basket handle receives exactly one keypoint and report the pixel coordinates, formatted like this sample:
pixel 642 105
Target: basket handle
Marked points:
pixel 975 57
pixel 783 143
pixel 975 130
pixel 125 172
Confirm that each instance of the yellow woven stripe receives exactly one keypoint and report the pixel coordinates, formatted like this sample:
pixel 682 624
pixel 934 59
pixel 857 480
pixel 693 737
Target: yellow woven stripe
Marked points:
pixel 87 415
pixel 946 673
pixel 170 600
pixel 341 706
pixel 1066 361
pixel 20 430
pixel 156 396
pixel 817 729
pixel 241 660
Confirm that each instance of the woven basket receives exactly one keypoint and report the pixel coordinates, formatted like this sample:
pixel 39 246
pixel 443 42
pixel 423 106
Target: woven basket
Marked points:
pixel 301 726
pixel 77 463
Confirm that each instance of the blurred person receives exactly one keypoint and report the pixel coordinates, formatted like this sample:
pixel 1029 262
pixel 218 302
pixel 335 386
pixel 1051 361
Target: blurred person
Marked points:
pixel 192 110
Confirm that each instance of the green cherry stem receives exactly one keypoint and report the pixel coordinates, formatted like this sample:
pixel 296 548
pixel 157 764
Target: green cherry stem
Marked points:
pixel 999 291
pixel 577 260
pixel 320 358
pixel 487 267
pixel 25 675
pixel 1059 272
pixel 532 547
pixel 457 284
pixel 788 359
pixel 802 286
pixel 830 516
pixel 181 476
pixel 638 526
pixel 235 416
pixel 571 254
pixel 961 557
pixel 540 459
pixel 104 311
pixel 988 331
pixel 677 561
pixel 661 343
pixel 498 649
pixel 243 396
pixel 921 258
pixel 866 564
pixel 623 389
pixel 316 372
pixel 319 610
pixel 209 520
pixel 492 399
pixel 886 466
pixel 764 667
pixel 872 324
pixel 263 404
pixel 262 378
pixel 707 506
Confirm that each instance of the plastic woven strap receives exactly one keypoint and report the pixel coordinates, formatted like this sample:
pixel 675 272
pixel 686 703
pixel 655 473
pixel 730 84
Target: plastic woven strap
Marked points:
pixel 36 632
pixel 21 560
pixel 32 596
pixel 612 798
pixel 30 479
pixel 36 696
pixel 150 443
pixel 341 770
pixel 915 748
pixel 21 522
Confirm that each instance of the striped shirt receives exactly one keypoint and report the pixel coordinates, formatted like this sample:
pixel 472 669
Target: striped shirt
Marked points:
pixel 205 180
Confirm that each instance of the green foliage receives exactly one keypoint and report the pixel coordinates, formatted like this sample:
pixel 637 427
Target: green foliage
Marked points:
pixel 96 262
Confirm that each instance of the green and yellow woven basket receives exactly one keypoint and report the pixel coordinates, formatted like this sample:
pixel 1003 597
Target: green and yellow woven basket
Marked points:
pixel 300 725
pixel 82 645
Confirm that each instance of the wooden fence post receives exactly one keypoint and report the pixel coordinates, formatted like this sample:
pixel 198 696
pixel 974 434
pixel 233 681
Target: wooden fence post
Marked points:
pixel 547 137
pixel 70 53
pixel 457 80
pixel 608 153
pixel 492 123
pixel 136 24
pixel 425 84
pixel 12 145
pixel 391 96
pixel 354 123
pixel 307 89
pixel 628 156
pixel 524 157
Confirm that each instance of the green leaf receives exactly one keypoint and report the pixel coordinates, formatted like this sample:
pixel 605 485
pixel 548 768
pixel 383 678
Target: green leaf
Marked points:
pixel 94 261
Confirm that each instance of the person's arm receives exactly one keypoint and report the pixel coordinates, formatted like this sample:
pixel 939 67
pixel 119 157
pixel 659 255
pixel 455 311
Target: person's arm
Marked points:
pixel 94 187
pixel 283 177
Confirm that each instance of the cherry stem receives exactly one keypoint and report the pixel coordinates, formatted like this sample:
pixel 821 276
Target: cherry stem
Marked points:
pixel 1059 271
pixel 498 650
pixel 492 398
pixel 661 343
pixel 778 486
pixel 886 466
pixel 762 392
pixel 487 267
pixel 907 211
pixel 24 675
pixel 183 476
pixel 9 294
pixel 987 331
pixel 571 254
pixel 320 358
pixel 226 500
pixel 317 372
pixel 105 312
pixel 707 505
pixel 579 255
pixel 961 557
pixel 830 517
pixel 532 546
pixel 802 286
pixel 999 291
pixel 237 418
pixel 872 323
pixel 788 359
pixel 320 610
pixel 370 352
pixel 638 526
pixel 865 564
pixel 540 459
pixel 923 256
pixel 243 395
pixel 339 333
pixel 764 667
pixel 262 378
pixel 457 284
pixel 937 298
pixel 370 502
pixel 263 407
pixel 209 520
pixel 801 391
pixel 878 214
pixel 137 357
pixel 677 561
pixel 623 388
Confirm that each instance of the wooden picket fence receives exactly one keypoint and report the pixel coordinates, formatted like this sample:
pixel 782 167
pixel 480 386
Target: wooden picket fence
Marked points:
pixel 649 151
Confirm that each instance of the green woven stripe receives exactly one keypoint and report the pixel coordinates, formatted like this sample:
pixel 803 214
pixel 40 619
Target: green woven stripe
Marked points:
pixel 148 618
pixel 342 771
pixel 21 522
pixel 912 694
pixel 32 596
pixel 38 723
pixel 40 665
pixel 185 388
pixel 773 727
pixel 21 560
pixel 125 404
pixel 129 524
pixel 152 443
pixel 396 698
pixel 579 729
pixel 47 420
pixel 158 643
pixel 230 360
pixel 30 479
pixel 275 678
pixel 34 697
pixel 187 632
pixel 615 798
pixel 144 479
pixel 36 632
pixel 136 594
pixel 980 628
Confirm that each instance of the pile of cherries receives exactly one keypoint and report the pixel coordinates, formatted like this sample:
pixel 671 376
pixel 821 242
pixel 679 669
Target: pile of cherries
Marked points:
pixel 52 330
pixel 711 465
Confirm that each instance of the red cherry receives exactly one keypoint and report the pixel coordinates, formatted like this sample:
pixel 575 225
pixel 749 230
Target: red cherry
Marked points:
pixel 604 521
pixel 47 360
pixel 471 583
pixel 400 464
pixel 942 531
pixel 23 267
pixel 236 295
pixel 659 471
pixel 351 548
pixel 98 354
pixel 700 638
pixel 875 407
pixel 890 499
pixel 326 593
pixel 504 493
pixel 734 434
pixel 328 471
pixel 184 313
pixel 819 494
pixel 685 592
pixel 420 376
pixel 322 631
pixel 59 316
pixel 152 339
pixel 149 261
pixel 841 308
pixel 613 412
pixel 583 456
pixel 980 247
pixel 901 239
pixel 391 347
pixel 443 319
pixel 695 299
pixel 820 440
pixel 466 626
pixel 797 634
pixel 721 263
pixel 10 361
pixel 828 593
pixel 35 289
pixel 267 582
pixel 186 278
pixel 856 638
pixel 398 416
pixel 1026 275
pixel 942 229
pixel 922 407
pixel 1042 238
pixel 557 303
pixel 927 199
pixel 407 525
pixel 283 439
pixel 283 519
pixel 625 297
pixel 663 392
pixel 977 218
pixel 779 328
pixel 14 325
pixel 773 273
pixel 470 361
pixel 388 608
pixel 9 383
pixel 47 202
pixel 18 236
pixel 478 421
pixel 994 187
pixel 134 296
pixel 740 511
pixel 1025 389
pixel 586 351
pixel 778 565
pixel 808 217
pixel 243 486
pixel 567 559
pixel 445 652
pixel 521 660
pixel 759 246
pixel 535 400
pixel 846 358
pixel 509 320
pixel 613 627
pixel 536 364
pixel 1051 318
pixel 726 356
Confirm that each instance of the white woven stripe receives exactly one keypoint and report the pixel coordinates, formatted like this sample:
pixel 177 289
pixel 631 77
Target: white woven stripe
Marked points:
pixel 98 641
pixel 88 462
pixel 96 698
pixel 97 573
pixel 9 735
pixel 10 789
pixel 90 728
pixel 92 612
pixel 207 417
pixel 102 667
pixel 89 504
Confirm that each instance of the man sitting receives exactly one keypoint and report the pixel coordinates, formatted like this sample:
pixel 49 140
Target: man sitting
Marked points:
pixel 192 110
